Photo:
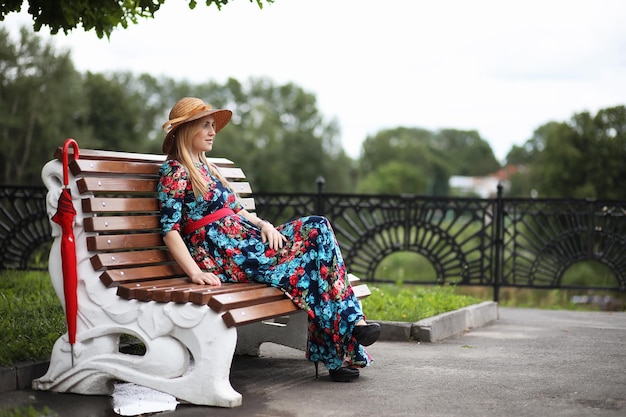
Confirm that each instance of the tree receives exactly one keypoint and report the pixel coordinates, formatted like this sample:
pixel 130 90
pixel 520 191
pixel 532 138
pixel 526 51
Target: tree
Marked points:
pixel 521 157
pixel 43 100
pixel 41 103
pixel 583 158
pixel 101 15
pixel 124 111
pixel 408 145
pixel 393 178
pixel 469 154
pixel 436 155
pixel 277 132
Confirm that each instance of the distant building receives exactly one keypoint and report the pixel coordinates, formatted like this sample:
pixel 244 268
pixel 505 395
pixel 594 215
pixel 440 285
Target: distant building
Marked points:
pixel 483 187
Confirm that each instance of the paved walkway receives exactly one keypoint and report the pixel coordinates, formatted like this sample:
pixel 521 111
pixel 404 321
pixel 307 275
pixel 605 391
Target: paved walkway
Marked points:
pixel 528 363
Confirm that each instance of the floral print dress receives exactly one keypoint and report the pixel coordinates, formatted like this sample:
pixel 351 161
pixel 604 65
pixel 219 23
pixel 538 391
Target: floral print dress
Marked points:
pixel 309 268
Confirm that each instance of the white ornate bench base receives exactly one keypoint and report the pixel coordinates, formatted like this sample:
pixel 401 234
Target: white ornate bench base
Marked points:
pixel 189 349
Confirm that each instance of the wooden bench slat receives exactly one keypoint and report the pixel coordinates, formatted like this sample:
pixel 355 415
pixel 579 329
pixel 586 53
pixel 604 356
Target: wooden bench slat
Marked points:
pixel 263 309
pixel 117 277
pixel 137 204
pixel 120 205
pixel 138 258
pixel 117 185
pixel 164 295
pixel 223 302
pixel 183 293
pixel 85 166
pixel 203 297
pixel 232 173
pixel 98 154
pixel 248 204
pixel 108 155
pixel 138 290
pixel 251 314
pixel 122 223
pixel 361 291
pixel 182 297
pixel 121 241
pixel 186 295
pixel 201 294
pixel 111 224
pixel 241 187
pixel 138 168
pixel 353 279
pixel 172 289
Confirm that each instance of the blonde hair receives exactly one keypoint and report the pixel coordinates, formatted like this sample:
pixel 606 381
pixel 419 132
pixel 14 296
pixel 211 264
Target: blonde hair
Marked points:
pixel 181 151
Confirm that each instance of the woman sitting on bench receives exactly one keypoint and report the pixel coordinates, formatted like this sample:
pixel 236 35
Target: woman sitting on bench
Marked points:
pixel 215 240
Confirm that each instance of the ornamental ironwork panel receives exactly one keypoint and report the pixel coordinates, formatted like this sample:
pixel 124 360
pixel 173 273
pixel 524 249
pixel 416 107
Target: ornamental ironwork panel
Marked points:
pixel 24 228
pixel 543 238
pixel 455 235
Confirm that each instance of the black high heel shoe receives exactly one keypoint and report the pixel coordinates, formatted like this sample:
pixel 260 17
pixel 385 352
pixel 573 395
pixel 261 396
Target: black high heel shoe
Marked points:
pixel 340 375
pixel 367 334
pixel 343 374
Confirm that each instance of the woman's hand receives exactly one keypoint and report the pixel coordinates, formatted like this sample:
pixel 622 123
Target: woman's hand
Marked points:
pixel 207 278
pixel 179 251
pixel 269 234
pixel 268 231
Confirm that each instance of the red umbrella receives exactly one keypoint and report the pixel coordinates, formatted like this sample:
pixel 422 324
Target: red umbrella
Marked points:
pixel 65 218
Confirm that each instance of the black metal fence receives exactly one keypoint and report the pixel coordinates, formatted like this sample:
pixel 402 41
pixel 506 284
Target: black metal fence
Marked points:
pixel 499 242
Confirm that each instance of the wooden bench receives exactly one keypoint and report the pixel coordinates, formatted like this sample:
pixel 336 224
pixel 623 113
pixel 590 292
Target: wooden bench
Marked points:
pixel 130 284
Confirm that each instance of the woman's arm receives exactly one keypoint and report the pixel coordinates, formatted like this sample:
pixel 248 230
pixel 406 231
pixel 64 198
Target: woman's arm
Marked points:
pixel 253 218
pixel 172 188
pixel 268 231
pixel 181 254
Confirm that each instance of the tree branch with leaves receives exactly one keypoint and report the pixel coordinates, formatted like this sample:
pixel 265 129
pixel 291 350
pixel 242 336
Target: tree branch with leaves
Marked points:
pixel 101 15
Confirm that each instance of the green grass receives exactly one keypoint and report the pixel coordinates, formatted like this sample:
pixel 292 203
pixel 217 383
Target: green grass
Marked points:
pixel 553 299
pixel 31 317
pixel 29 411
pixel 412 303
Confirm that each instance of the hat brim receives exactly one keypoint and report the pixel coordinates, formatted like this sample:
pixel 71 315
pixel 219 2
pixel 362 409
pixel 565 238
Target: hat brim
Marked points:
pixel 221 116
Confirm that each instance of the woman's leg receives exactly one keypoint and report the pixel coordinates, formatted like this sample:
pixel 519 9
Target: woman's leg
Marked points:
pixel 318 285
pixel 310 269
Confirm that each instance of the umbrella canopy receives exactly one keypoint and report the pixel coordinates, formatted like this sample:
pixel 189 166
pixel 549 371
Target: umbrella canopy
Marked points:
pixel 64 217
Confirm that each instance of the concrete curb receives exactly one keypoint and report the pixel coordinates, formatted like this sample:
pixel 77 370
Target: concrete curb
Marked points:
pixel 442 326
pixel 432 329
pixel 21 375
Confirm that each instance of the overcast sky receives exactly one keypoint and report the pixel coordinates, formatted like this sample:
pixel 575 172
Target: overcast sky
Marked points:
pixel 502 68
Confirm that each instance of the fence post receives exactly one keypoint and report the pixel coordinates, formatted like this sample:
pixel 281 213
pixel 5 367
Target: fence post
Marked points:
pixel 499 245
pixel 320 199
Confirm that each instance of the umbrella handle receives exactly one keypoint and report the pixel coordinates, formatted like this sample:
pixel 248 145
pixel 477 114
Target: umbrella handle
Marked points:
pixel 66 145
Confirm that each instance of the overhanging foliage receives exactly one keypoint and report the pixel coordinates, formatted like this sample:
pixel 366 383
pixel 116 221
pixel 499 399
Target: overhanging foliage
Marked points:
pixel 101 15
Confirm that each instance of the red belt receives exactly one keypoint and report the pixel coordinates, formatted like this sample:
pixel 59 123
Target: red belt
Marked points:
pixel 194 225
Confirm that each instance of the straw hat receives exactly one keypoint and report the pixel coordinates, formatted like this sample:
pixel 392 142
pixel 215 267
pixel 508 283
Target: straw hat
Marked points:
pixel 188 109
